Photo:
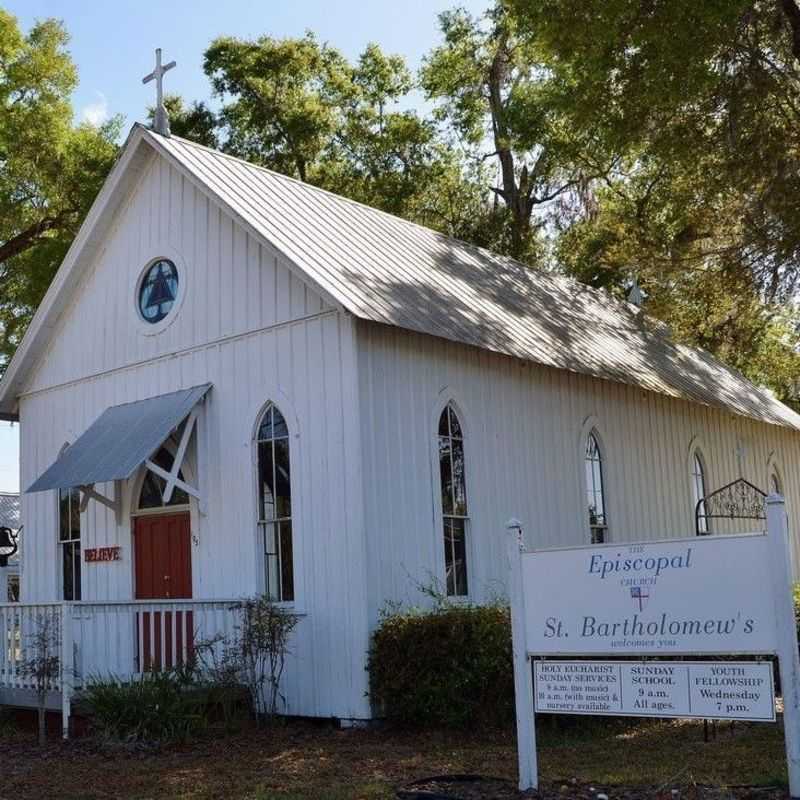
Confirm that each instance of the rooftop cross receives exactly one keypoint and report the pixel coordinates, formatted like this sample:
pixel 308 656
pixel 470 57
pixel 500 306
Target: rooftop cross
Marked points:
pixel 160 118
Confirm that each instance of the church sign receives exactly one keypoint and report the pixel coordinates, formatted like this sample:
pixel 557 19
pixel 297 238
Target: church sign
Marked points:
pixel 690 689
pixel 678 597
pixel 627 630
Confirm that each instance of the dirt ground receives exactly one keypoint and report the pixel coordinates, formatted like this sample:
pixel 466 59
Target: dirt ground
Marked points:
pixel 303 760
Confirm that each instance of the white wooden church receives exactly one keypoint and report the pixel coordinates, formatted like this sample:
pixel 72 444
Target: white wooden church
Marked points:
pixel 238 383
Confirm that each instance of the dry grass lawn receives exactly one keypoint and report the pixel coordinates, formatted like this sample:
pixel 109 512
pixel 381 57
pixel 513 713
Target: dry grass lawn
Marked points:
pixel 305 761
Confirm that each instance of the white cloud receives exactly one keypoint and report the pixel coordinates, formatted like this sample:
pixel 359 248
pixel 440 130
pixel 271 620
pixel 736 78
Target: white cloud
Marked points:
pixel 96 113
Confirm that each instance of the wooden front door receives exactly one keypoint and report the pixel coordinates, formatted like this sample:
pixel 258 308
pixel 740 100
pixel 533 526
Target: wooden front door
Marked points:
pixel 163 571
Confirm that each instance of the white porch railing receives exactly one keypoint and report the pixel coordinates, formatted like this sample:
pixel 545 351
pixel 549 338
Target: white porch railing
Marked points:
pixel 101 640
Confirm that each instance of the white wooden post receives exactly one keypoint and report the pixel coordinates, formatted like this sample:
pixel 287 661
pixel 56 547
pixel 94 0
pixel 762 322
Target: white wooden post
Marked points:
pixel 788 657
pixel 67 667
pixel 523 677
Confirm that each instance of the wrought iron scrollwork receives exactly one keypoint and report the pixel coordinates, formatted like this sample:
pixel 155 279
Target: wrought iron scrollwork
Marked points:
pixel 737 500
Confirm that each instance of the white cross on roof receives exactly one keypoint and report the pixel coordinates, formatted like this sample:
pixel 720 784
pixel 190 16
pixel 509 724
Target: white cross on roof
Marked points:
pixel 160 118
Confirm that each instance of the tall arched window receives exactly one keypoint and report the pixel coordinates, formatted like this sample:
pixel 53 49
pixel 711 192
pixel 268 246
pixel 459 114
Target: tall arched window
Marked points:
pixel 699 492
pixel 595 490
pixel 454 501
pixel 275 504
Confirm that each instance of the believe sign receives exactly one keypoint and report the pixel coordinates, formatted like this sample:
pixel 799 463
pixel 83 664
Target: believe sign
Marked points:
pixel 710 595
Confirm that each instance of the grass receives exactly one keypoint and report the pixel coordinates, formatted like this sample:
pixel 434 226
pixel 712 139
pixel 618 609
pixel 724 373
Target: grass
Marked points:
pixel 305 761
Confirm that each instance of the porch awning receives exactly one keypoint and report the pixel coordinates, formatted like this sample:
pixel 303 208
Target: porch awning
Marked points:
pixel 117 443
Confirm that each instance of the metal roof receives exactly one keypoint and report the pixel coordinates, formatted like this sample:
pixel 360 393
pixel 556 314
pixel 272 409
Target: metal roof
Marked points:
pixel 387 270
pixel 119 441
pixel 9 510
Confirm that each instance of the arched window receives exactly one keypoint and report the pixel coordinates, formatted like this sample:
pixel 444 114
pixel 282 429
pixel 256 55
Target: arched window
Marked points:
pixel 275 504
pixel 699 492
pixel 595 490
pixel 454 501
pixel 151 495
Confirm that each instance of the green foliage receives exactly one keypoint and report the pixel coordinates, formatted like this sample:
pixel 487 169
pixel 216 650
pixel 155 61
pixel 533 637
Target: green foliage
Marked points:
pixel 300 107
pixel 487 83
pixel 50 169
pixel 195 121
pixel 451 666
pixel 156 707
pixel 606 138
pixel 262 641
pixel 697 106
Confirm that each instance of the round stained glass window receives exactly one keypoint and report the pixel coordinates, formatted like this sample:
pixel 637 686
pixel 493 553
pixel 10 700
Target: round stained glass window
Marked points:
pixel 158 290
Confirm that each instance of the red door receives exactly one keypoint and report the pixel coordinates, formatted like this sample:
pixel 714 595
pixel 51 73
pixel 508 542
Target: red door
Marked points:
pixel 163 571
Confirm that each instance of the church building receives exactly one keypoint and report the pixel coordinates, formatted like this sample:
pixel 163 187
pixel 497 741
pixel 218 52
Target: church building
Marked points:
pixel 238 383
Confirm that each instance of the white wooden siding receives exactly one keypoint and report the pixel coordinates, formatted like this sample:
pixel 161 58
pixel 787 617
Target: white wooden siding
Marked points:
pixel 303 367
pixel 257 333
pixel 232 284
pixel 525 429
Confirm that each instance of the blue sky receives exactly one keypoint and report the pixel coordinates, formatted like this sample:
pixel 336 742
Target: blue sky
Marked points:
pixel 113 43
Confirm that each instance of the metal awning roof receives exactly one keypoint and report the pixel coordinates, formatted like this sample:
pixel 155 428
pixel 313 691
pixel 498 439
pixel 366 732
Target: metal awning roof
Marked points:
pixel 117 443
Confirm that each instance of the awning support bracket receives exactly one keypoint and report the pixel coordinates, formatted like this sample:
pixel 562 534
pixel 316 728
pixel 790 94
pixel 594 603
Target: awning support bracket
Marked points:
pixel 89 493
pixel 171 477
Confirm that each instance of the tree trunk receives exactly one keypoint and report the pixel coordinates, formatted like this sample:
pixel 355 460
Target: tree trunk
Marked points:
pixel 514 195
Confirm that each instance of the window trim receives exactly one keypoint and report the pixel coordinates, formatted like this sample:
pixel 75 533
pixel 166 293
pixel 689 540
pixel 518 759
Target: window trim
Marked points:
pixel 286 409
pixel 591 424
pixel 160 250
pixel 697 449
pixel 602 490
pixel 60 543
pixel 774 468
pixel 447 398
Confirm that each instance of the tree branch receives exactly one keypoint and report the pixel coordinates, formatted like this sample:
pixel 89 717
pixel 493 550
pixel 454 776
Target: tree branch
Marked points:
pixel 30 236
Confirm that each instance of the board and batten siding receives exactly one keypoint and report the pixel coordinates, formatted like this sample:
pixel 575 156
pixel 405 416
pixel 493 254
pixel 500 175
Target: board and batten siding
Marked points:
pixel 230 283
pixel 525 428
pixel 250 327
pixel 299 366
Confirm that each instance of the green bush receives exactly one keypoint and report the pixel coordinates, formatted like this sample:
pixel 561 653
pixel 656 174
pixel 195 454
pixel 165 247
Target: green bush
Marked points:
pixel 451 666
pixel 158 706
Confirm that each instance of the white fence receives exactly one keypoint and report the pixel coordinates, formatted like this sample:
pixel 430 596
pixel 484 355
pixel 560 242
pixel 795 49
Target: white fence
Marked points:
pixel 101 640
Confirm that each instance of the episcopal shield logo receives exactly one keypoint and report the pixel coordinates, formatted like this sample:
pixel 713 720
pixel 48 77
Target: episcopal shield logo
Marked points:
pixel 640 595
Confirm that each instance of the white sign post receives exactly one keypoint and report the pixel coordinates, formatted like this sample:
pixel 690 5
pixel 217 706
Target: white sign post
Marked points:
pixel 710 595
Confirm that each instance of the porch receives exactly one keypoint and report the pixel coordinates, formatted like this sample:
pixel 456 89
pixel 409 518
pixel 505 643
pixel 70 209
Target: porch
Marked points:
pixel 98 640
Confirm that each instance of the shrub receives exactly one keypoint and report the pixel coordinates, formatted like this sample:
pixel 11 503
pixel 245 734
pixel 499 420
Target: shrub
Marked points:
pixel 451 666
pixel 158 706
pixel 254 657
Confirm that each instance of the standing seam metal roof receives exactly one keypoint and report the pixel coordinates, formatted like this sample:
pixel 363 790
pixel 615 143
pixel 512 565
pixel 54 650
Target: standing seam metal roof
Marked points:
pixel 119 441
pixel 385 269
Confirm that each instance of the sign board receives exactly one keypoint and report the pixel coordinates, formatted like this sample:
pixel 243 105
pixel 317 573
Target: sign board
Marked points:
pixel 97 554
pixel 710 595
pixel 676 597
pixel 691 689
